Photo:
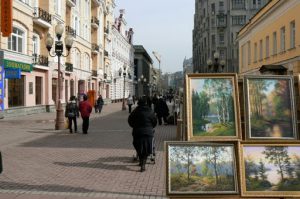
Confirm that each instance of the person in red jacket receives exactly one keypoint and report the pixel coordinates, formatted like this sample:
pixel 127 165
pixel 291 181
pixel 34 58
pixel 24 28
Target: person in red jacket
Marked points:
pixel 85 109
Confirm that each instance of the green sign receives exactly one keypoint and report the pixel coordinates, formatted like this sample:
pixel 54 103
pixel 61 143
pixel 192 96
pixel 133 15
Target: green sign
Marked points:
pixel 16 65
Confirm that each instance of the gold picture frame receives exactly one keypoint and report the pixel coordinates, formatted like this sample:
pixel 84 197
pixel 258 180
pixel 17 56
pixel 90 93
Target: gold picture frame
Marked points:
pixel 264 175
pixel 213 100
pixel 211 169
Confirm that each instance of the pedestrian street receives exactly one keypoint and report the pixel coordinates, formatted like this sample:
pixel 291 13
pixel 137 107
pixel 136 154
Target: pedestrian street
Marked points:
pixel 42 163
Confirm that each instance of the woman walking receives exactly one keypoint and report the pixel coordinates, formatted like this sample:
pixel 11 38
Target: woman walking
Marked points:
pixel 142 120
pixel 72 113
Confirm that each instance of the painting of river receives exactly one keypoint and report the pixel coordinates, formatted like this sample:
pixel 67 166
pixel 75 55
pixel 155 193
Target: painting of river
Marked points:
pixel 271 168
pixel 213 107
pixel 200 168
pixel 270 108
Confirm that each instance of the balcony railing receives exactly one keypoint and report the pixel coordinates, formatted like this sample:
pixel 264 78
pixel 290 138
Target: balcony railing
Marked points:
pixel 42 14
pixel 69 67
pixel 94 73
pixel 71 31
pixel 39 60
pixel 95 48
pixel 95 22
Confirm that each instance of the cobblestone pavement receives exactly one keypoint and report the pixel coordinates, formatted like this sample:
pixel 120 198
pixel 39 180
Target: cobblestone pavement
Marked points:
pixel 40 163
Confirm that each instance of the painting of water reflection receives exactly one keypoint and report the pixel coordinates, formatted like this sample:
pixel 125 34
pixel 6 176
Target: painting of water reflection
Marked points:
pixel 200 168
pixel 214 106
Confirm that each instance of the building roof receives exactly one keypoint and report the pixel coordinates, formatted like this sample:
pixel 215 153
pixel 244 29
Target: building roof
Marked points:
pixel 139 49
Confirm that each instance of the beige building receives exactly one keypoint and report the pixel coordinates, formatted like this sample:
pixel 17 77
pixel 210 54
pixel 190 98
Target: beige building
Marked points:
pixel 87 67
pixel 271 37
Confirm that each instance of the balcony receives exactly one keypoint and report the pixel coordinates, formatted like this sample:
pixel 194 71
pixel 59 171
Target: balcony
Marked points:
pixel 71 3
pixel 97 2
pixel 95 22
pixel 94 73
pixel 42 17
pixel 95 48
pixel 68 67
pixel 71 31
pixel 39 60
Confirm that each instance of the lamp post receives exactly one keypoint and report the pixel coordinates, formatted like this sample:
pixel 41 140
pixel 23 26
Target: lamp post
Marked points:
pixel 142 80
pixel 124 75
pixel 158 57
pixel 217 65
pixel 59 47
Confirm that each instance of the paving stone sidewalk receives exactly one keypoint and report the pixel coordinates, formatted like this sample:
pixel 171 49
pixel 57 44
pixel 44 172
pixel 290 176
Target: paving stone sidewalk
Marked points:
pixel 46 164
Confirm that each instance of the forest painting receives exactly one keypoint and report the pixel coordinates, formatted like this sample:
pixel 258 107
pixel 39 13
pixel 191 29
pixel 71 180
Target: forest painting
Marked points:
pixel 270 108
pixel 271 169
pixel 201 168
pixel 213 107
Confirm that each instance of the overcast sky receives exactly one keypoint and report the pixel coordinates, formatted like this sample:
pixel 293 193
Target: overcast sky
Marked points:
pixel 164 26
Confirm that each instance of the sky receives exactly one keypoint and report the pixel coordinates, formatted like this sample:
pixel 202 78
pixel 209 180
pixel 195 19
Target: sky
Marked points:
pixel 164 26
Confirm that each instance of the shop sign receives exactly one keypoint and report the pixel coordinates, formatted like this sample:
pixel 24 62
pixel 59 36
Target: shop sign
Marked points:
pixel 1 88
pixel 17 65
pixel 13 73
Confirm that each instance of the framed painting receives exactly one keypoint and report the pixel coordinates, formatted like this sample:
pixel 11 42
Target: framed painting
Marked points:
pixel 270 170
pixel 195 168
pixel 212 107
pixel 270 109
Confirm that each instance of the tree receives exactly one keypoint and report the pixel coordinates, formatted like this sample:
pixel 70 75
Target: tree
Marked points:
pixel 280 158
pixel 262 171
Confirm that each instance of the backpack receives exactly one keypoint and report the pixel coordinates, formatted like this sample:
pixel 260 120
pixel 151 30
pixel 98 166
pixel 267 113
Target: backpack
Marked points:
pixel 71 110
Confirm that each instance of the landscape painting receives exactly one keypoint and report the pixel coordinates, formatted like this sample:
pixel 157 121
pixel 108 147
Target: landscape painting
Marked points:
pixel 271 169
pixel 270 108
pixel 213 112
pixel 201 168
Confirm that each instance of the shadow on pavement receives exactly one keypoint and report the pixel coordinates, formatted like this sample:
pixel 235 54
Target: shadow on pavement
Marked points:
pixel 43 187
pixel 108 163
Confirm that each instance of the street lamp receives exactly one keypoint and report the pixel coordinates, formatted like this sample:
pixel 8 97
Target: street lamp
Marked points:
pixel 158 57
pixel 217 65
pixel 59 47
pixel 124 75
pixel 142 80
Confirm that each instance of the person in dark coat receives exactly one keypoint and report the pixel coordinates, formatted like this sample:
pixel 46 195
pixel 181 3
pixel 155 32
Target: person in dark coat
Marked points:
pixel 85 110
pixel 100 104
pixel 72 113
pixel 142 120
pixel 162 111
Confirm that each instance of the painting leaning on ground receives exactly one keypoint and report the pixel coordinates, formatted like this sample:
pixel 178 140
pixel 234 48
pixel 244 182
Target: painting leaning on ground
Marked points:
pixel 270 108
pixel 272 168
pixel 201 169
pixel 213 110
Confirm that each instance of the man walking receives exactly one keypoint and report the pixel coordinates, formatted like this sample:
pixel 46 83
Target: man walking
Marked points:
pixel 85 110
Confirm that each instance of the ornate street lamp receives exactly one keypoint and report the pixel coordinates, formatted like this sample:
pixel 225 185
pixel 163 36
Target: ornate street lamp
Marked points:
pixel 124 75
pixel 217 65
pixel 59 48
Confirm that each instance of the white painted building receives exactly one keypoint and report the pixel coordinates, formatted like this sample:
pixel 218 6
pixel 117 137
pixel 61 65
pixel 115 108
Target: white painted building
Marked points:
pixel 122 57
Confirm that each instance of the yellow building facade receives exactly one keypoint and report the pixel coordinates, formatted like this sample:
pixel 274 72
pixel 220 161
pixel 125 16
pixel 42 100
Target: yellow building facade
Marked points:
pixel 271 37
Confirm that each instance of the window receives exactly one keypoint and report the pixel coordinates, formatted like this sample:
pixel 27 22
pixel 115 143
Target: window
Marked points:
pixel 267 46
pixel 282 39
pixel 292 34
pixel 58 7
pixel 16 42
pixel 76 25
pixel 255 52
pixel 16 93
pixel 243 56
pixel 26 2
pixel 221 38
pixel 213 41
pixel 260 50
pixel 213 9
pixel 238 4
pixel 221 6
pixel 249 52
pixel 274 43
pixel 213 22
pixel 238 20
pixel 35 44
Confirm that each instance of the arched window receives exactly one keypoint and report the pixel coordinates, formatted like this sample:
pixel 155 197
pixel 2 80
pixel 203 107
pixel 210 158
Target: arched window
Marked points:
pixel 16 41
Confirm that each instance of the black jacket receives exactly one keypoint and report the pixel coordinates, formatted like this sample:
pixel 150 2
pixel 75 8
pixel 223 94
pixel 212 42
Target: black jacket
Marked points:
pixel 72 109
pixel 142 120
pixel 161 108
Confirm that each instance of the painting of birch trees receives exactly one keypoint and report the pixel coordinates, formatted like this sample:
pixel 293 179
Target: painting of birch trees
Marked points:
pixel 213 107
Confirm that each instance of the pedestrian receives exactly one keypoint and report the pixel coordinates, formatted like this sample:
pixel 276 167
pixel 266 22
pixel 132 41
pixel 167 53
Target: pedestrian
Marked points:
pixel 149 101
pixel 100 103
pixel 154 100
pixel 133 98
pixel 85 109
pixel 129 102
pixel 143 121
pixel 72 113
pixel 161 110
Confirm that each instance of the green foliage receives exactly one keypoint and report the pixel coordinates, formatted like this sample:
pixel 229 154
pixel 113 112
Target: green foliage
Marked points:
pixel 218 130
pixel 253 184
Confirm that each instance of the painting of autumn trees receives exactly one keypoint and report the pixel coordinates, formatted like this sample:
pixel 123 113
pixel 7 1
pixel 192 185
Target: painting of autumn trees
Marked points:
pixel 213 107
pixel 270 108
pixel 202 168
pixel 272 168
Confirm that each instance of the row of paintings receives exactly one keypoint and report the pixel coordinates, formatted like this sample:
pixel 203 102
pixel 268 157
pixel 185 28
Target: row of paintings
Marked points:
pixel 213 107
pixel 254 170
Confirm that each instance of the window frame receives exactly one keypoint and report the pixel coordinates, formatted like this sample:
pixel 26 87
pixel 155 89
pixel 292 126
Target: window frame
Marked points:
pixel 23 37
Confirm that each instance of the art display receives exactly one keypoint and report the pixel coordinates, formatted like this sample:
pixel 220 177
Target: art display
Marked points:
pixel 270 107
pixel 212 106
pixel 201 168
pixel 270 170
